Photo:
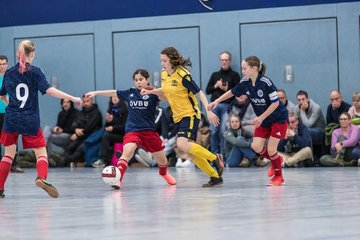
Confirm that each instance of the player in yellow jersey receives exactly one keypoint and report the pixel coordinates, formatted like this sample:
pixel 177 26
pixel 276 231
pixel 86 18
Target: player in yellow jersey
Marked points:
pixel 180 90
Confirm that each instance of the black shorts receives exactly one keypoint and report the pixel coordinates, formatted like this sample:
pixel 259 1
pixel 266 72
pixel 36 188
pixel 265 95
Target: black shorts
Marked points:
pixel 187 127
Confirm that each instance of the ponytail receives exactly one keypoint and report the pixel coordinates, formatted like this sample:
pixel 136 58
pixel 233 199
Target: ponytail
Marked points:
pixel 25 49
pixel 21 57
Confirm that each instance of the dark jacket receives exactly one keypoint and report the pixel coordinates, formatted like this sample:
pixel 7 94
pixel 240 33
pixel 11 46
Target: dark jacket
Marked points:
pixel 229 76
pixel 65 119
pixel 88 119
pixel 300 140
pixel 332 115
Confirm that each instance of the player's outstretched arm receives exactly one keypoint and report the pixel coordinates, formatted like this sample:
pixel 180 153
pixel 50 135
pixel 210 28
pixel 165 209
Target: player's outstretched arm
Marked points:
pixel 157 91
pixel 223 97
pixel 109 93
pixel 62 95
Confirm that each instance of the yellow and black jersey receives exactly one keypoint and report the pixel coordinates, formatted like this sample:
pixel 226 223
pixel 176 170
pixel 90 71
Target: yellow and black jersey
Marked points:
pixel 180 90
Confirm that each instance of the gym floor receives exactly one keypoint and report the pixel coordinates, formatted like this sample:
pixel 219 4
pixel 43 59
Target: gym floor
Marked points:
pixel 315 203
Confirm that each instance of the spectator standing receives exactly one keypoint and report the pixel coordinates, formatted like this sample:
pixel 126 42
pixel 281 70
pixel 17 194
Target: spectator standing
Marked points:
pixel 220 82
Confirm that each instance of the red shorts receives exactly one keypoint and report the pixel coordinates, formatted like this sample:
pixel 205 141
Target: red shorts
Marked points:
pixel 276 130
pixel 149 140
pixel 36 141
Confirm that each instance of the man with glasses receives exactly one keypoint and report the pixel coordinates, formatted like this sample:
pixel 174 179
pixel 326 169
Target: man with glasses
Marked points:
pixel 284 99
pixel 336 107
pixel 220 82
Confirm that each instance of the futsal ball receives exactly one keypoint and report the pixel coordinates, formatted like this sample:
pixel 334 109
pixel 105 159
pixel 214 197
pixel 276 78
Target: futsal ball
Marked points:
pixel 111 175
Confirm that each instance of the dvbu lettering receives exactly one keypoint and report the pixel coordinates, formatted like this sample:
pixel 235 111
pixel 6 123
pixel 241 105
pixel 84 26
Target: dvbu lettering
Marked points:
pixel 138 103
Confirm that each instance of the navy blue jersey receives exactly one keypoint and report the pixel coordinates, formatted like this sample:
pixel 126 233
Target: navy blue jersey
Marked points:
pixel 22 113
pixel 261 96
pixel 141 110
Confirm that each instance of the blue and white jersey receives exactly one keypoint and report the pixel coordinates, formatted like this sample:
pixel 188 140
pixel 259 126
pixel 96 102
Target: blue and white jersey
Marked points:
pixel 22 113
pixel 261 96
pixel 141 110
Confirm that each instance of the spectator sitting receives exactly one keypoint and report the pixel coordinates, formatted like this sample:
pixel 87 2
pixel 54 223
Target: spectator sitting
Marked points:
pixel 284 99
pixel 297 146
pixel 88 121
pixel 115 117
pixel 238 142
pixel 312 117
pixel 60 134
pixel 354 110
pixel 345 144
pixel 336 107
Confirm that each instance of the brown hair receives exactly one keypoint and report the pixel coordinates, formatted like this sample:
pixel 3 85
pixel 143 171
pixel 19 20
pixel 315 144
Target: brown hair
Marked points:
pixel 254 61
pixel 347 115
pixel 3 57
pixel 175 58
pixel 142 72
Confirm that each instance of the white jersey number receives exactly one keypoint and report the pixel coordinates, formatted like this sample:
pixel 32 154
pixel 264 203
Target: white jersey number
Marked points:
pixel 23 98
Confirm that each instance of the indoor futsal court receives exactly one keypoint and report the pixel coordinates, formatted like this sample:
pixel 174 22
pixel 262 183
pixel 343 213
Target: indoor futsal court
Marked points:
pixel 314 204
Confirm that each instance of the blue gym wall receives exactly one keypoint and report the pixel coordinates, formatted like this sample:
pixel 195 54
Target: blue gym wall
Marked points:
pixel 320 41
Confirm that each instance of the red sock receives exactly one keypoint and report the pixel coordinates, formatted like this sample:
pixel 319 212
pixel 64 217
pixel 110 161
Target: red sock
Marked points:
pixel 264 153
pixel 276 164
pixel 163 169
pixel 42 167
pixel 5 166
pixel 122 166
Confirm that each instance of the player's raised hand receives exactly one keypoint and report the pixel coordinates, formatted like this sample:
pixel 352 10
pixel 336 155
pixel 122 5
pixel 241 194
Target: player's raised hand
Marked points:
pixel 147 90
pixel 212 105
pixel 90 94
pixel 77 101
pixel 213 118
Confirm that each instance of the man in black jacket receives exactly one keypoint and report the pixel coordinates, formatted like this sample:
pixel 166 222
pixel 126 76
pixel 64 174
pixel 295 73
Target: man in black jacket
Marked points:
pixel 88 120
pixel 219 83
pixel 60 134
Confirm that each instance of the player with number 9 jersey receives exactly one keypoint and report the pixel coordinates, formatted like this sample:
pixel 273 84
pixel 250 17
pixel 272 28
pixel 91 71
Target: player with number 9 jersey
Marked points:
pixel 22 113
pixel 22 83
